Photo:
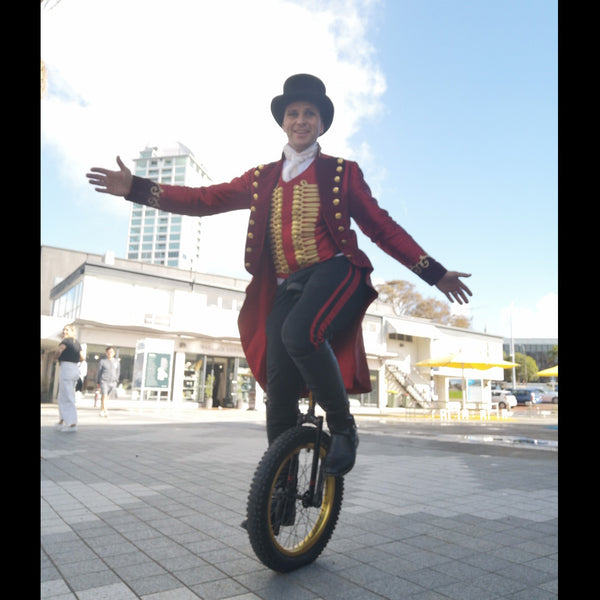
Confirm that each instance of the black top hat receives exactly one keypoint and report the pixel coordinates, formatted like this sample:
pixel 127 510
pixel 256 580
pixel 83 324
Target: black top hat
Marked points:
pixel 303 87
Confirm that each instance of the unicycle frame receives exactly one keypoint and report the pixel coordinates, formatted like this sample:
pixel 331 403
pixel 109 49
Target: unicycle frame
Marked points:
pixel 316 479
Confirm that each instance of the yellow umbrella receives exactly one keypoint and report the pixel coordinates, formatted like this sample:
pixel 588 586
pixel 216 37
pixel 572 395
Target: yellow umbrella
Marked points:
pixel 461 361
pixel 550 372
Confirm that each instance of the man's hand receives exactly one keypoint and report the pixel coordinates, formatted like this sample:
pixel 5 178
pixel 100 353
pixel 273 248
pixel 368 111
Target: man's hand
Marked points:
pixel 453 287
pixel 117 183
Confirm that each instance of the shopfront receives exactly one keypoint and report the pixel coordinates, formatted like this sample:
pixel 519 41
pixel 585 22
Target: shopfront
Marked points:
pixel 217 381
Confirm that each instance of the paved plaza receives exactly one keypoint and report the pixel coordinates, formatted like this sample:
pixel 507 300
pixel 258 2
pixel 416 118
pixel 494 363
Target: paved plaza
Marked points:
pixel 147 504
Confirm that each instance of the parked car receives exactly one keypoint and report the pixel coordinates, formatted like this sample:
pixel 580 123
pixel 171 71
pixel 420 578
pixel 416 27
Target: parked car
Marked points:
pixel 527 396
pixel 504 398
pixel 548 396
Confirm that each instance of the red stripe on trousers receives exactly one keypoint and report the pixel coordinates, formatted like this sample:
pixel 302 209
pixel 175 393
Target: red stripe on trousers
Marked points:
pixel 350 283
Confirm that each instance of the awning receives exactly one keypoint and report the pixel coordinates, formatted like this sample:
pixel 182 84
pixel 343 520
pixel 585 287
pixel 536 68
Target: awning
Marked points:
pixel 461 361
pixel 549 372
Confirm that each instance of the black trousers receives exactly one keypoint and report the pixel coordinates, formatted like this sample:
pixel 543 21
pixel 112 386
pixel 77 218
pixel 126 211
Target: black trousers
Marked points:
pixel 309 308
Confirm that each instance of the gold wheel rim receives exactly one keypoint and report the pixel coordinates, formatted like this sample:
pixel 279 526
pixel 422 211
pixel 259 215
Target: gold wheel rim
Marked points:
pixel 302 536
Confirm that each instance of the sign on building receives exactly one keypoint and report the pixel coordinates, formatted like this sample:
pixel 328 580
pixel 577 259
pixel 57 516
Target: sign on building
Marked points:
pixel 153 368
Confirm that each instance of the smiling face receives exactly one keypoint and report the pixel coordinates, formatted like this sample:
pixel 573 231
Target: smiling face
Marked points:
pixel 302 124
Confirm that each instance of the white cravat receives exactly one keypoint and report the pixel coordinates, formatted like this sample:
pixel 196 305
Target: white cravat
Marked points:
pixel 296 162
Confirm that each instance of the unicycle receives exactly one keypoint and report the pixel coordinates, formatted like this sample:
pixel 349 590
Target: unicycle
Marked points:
pixel 293 507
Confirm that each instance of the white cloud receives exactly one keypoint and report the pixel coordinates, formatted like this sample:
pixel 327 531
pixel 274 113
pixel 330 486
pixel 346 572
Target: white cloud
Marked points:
pixel 124 74
pixel 540 321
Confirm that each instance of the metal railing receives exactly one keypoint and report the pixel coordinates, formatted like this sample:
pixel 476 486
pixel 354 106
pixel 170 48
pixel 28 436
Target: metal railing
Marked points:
pixel 398 381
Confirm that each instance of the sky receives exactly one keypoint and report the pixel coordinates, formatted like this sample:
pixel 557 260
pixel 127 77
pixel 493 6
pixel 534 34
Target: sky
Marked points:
pixel 450 107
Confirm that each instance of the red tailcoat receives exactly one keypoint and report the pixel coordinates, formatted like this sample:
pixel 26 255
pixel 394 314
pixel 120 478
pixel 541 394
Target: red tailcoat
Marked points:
pixel 344 194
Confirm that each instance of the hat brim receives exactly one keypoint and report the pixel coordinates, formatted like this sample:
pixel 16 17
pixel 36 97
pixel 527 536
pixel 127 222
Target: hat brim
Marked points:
pixel 323 103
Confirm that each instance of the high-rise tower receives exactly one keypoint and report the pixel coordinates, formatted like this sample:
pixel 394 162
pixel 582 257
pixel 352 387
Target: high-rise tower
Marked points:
pixel 160 237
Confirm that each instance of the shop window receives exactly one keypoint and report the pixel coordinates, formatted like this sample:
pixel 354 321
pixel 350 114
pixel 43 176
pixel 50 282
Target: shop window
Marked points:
pixel 401 337
pixel 68 304
pixel 371 398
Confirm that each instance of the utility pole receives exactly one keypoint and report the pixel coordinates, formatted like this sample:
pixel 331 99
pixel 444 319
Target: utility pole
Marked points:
pixel 512 344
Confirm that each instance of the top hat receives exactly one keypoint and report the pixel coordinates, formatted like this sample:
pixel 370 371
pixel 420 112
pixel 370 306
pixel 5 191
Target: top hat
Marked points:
pixel 303 87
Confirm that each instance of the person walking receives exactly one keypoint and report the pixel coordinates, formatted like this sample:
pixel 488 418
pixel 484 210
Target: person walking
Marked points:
pixel 107 378
pixel 68 354
pixel 300 324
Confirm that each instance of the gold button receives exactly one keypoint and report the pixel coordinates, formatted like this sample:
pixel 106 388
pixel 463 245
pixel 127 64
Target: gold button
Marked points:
pixel 256 173
pixel 337 179
pixel 338 215
pixel 255 183
pixel 251 235
pixel 336 201
pixel 251 222
pixel 248 249
pixel 341 228
pixel 338 169
pixel 253 209
pixel 344 242
pixel 336 190
pixel 348 255
pixel 255 196
pixel 247 264
pixel 340 161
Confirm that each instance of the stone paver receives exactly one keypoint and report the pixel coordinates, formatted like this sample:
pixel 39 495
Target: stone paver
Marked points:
pixel 147 504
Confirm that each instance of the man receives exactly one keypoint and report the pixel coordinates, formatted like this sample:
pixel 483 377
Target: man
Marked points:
pixel 107 379
pixel 300 324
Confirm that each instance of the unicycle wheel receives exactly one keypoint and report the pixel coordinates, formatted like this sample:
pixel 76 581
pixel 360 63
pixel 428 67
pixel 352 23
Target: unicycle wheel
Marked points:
pixel 287 528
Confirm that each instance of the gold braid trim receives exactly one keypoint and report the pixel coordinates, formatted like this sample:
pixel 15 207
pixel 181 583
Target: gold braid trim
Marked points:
pixel 305 211
pixel 421 265
pixel 275 226
pixel 154 198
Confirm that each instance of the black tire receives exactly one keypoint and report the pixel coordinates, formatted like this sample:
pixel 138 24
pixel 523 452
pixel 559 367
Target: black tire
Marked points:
pixel 284 547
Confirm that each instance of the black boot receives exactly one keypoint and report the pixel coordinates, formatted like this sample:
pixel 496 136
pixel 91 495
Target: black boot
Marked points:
pixel 344 441
pixel 322 375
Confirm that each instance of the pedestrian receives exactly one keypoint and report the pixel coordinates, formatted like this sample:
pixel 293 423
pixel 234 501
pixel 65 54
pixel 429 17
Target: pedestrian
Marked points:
pixel 300 324
pixel 68 354
pixel 79 386
pixel 107 378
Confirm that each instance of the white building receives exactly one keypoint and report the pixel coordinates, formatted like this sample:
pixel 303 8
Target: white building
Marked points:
pixel 189 319
pixel 160 237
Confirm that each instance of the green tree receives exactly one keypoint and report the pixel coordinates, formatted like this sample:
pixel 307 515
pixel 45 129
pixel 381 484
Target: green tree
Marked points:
pixel 527 369
pixel 408 302
pixel 400 294
pixel 553 355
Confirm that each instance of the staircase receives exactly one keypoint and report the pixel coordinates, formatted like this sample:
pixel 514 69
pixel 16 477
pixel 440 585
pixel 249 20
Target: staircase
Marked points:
pixel 399 381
